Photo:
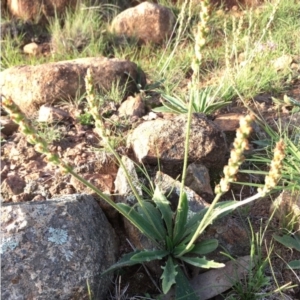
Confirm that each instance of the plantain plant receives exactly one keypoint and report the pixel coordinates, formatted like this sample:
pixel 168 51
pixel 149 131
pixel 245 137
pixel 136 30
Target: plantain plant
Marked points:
pixel 174 234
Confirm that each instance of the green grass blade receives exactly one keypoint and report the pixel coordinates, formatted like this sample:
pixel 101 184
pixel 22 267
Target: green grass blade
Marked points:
pixel 160 109
pixel 172 104
pixel 180 104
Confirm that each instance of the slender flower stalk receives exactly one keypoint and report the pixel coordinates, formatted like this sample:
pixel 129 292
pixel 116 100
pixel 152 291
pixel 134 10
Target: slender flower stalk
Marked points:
pixel 100 128
pixel 264 32
pixel 236 158
pixel 200 41
pixel 42 147
pixel 32 137
pixel 181 29
pixel 199 45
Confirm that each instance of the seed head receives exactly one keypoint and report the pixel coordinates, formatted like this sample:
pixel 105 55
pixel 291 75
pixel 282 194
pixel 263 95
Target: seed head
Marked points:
pixel 236 156
pixel 274 174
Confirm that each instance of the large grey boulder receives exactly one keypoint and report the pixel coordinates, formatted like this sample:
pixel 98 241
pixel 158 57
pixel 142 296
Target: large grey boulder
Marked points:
pixel 147 22
pixel 32 86
pixel 164 140
pixel 53 249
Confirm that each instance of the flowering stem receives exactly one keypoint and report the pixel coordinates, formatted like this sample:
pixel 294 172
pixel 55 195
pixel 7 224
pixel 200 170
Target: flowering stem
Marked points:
pixel 101 131
pixel 42 147
pixel 193 89
pixel 236 159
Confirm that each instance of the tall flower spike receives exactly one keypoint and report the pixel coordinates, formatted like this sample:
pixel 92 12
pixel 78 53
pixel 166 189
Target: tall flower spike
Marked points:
pixel 200 35
pixel 32 137
pixel 274 174
pixel 236 156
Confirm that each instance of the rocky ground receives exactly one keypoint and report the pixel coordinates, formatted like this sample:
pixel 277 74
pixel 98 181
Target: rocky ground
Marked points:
pixel 27 176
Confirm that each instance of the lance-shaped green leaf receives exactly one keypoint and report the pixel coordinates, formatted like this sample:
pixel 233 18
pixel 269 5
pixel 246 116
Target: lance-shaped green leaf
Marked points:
pixel 180 221
pixel 288 241
pixel 214 212
pixel 169 244
pixel 125 261
pixel 139 222
pixel 184 290
pixel 168 276
pixel 205 247
pixel 294 264
pixel 149 255
pixel 164 206
pixel 200 248
pixel 153 217
pixel 202 262
pixel 222 209
pixel 193 223
pixel 194 220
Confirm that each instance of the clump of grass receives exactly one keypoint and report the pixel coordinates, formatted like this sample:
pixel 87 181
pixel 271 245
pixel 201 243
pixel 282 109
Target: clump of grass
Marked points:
pixel 49 133
pixel 204 101
pixel 251 287
pixel 250 42
pixel 245 59
pixel 82 33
